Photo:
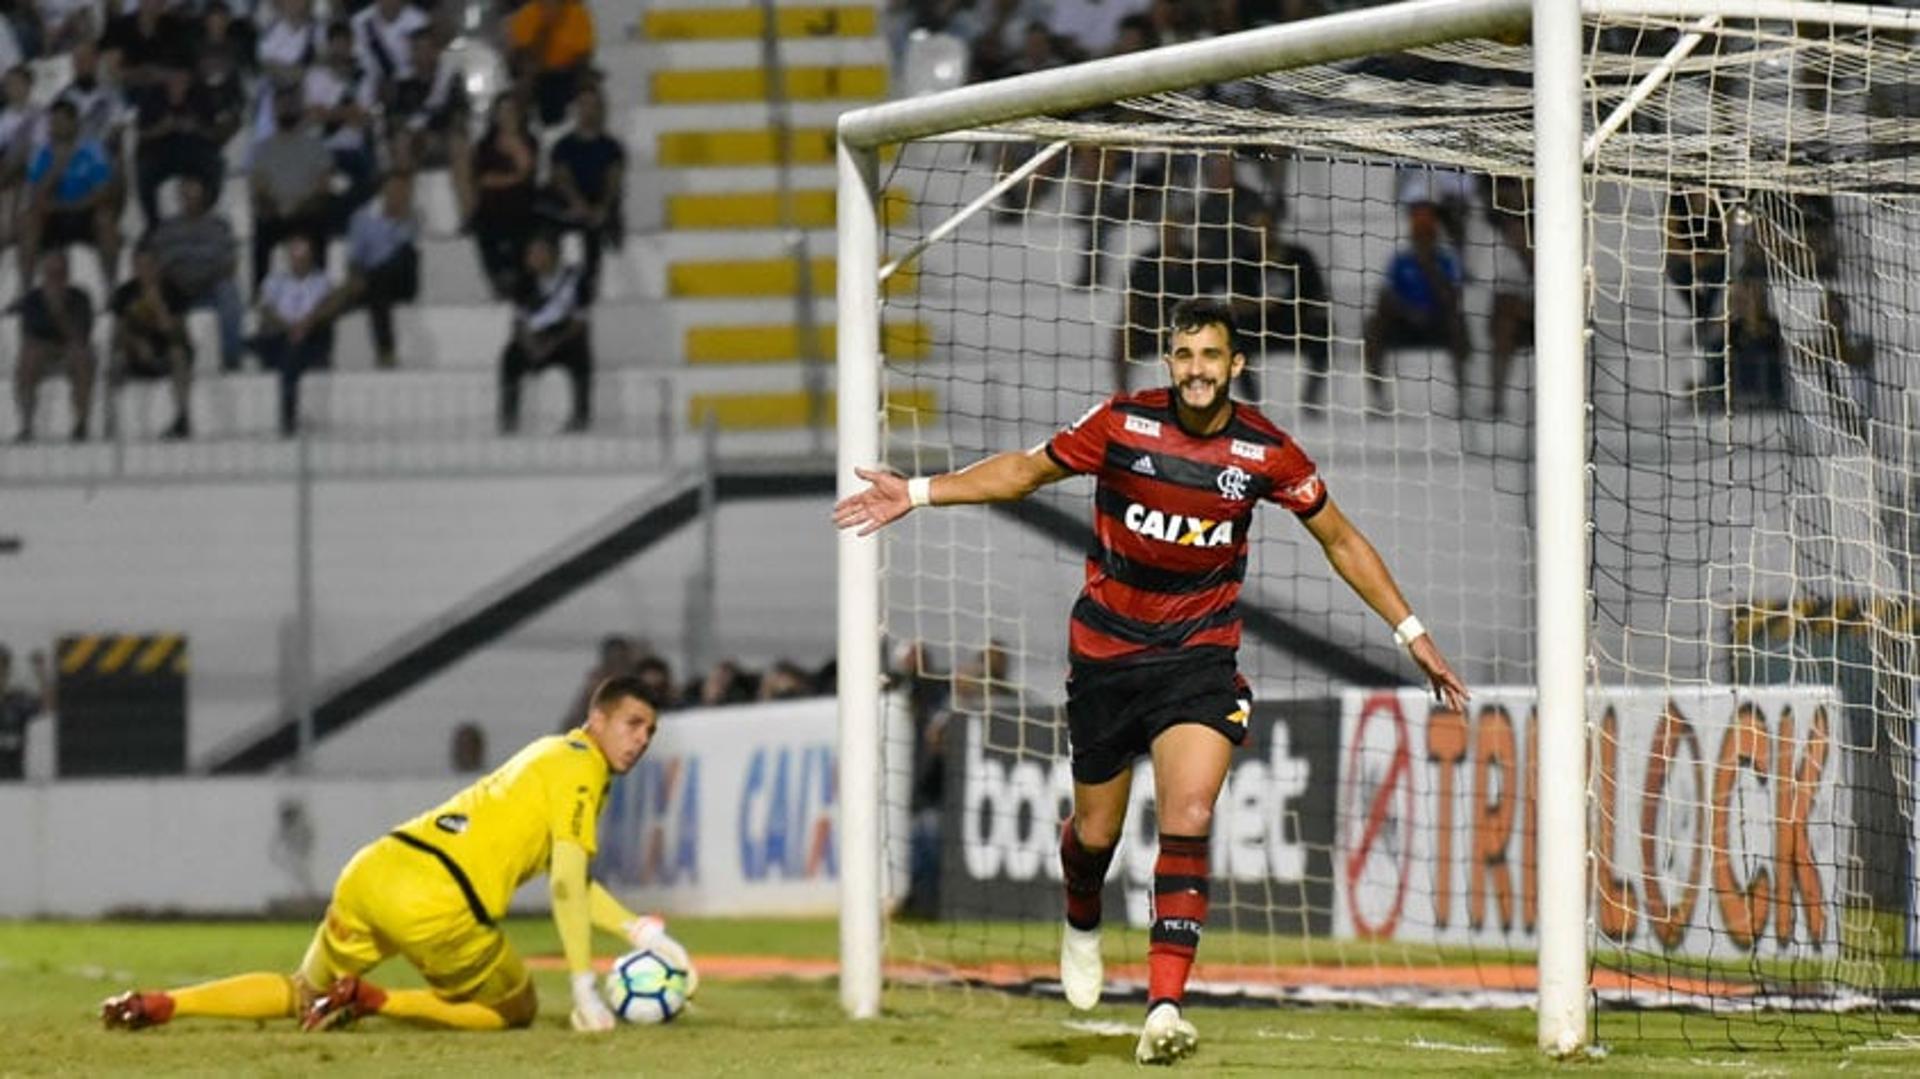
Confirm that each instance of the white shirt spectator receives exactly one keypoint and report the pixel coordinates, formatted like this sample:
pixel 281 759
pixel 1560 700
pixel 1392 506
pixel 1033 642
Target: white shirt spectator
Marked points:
pixel 290 45
pixel 386 48
pixel 325 88
pixel 103 111
pixel 373 237
pixel 557 301
pixel 293 298
pixel 1094 25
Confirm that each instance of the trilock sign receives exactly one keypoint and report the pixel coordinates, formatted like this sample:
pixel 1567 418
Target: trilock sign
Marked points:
pixel 1716 824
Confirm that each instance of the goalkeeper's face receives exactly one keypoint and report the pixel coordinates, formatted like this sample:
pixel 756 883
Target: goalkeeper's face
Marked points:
pixel 623 731
pixel 1202 365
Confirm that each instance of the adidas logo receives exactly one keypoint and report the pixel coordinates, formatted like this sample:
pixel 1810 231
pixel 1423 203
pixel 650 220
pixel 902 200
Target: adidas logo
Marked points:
pixel 1144 465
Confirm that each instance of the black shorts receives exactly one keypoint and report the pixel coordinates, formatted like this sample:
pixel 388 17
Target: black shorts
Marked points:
pixel 1115 712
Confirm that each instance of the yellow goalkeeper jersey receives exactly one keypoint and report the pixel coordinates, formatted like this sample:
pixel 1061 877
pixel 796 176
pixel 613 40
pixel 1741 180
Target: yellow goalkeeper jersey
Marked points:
pixel 500 831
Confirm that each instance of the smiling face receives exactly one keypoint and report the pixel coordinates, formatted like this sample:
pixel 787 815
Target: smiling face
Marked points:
pixel 622 728
pixel 1201 363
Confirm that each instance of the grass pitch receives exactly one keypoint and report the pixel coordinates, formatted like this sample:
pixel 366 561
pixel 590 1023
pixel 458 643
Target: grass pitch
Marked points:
pixel 53 975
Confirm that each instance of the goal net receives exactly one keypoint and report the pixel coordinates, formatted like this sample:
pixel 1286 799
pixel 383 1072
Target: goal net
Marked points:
pixel 1750 478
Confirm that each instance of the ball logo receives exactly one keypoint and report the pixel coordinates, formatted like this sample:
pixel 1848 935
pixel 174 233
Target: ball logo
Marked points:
pixel 1233 483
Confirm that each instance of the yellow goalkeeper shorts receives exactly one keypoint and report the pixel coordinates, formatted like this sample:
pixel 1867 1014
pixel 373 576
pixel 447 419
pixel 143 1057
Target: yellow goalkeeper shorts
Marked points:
pixel 392 899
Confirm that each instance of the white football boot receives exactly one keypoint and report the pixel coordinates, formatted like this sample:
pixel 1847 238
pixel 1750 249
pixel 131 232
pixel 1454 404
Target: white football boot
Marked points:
pixel 1081 974
pixel 1166 1037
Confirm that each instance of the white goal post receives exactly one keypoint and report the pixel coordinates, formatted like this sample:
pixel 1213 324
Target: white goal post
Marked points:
pixel 1560 399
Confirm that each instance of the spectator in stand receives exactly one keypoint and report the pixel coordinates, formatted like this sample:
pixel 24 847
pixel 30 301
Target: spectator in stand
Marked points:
pixel 19 120
pixel 587 170
pixel 341 100
pixel 102 113
pixel 145 46
pixel 1756 349
pixel 785 681
pixel 1155 282
pixel 1280 297
pixel 19 707
pixel 1418 305
pixel 292 177
pixel 70 200
pixel 230 38
pixel 504 166
pixel 291 40
pixel 1512 318
pixel 1088 28
pixel 426 114
pixel 199 256
pixel 1002 36
pixel 296 332
pixel 1696 262
pixel 383 39
pixel 150 341
pixel 467 750
pixel 725 684
pixel 549 330
pixel 183 126
pixel 658 677
pixel 65 24
pixel 1850 382
pixel 383 263
pixel 1449 191
pixel 619 655
pixel 56 337
pixel 551 42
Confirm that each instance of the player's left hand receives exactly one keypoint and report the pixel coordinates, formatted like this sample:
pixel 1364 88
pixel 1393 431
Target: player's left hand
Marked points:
pixel 590 1013
pixel 882 503
pixel 1446 684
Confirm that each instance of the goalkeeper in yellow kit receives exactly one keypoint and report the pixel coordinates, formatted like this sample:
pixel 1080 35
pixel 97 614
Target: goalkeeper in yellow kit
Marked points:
pixel 433 891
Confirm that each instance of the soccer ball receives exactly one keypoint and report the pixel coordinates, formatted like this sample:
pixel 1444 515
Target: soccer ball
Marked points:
pixel 650 984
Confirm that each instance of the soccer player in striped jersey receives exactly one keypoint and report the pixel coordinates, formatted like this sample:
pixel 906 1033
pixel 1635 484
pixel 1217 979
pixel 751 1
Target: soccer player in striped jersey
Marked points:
pixel 1156 629
pixel 433 891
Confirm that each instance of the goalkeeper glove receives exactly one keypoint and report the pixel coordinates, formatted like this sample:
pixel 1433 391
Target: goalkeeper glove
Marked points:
pixel 643 930
pixel 589 1011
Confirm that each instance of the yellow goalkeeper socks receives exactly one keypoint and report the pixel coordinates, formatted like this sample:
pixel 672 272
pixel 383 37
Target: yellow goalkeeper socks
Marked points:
pixel 245 996
pixel 422 1006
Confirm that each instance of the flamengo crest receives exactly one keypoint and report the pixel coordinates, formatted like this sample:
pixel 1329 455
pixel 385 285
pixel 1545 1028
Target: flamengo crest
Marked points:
pixel 1233 483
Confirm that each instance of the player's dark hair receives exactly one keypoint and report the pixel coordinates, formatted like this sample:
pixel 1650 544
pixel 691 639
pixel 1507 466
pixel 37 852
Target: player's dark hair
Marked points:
pixel 1192 315
pixel 612 691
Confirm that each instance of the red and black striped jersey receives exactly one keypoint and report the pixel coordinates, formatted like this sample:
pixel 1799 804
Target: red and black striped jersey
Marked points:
pixel 1171 515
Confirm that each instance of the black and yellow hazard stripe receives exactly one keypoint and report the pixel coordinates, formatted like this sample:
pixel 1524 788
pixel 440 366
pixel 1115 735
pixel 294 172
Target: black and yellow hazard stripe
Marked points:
pixel 122 654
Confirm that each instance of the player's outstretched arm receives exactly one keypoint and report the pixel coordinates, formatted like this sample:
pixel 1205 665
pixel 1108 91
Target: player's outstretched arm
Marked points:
pixel 573 918
pixel 1354 558
pixel 1004 477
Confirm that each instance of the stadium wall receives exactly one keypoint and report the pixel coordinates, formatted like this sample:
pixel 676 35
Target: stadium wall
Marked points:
pixel 733 811
pixel 215 562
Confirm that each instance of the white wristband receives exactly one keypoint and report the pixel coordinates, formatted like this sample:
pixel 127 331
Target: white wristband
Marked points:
pixel 1408 631
pixel 920 491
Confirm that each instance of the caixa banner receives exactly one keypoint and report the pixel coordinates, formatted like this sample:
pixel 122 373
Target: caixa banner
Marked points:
pixel 1008 787
pixel 1716 825
pixel 733 811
